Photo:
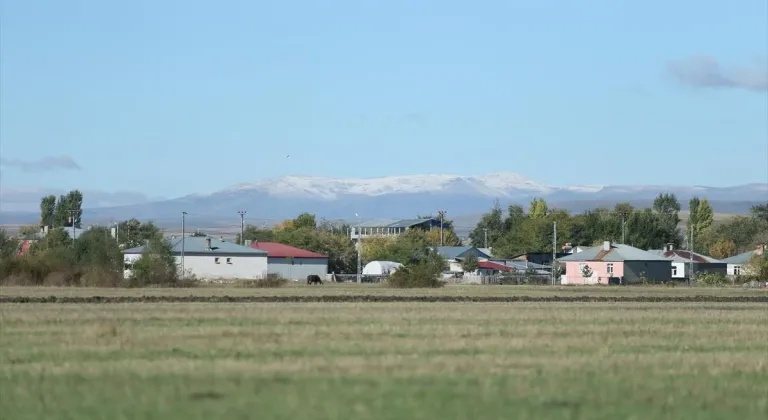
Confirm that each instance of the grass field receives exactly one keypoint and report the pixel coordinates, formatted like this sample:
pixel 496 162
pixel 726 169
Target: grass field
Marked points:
pixel 383 360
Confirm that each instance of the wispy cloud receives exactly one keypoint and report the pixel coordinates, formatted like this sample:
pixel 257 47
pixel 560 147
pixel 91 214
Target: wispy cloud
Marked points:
pixel 48 163
pixel 706 72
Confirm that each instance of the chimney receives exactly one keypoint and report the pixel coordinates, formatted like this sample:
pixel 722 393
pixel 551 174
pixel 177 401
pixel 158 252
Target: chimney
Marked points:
pixel 606 245
pixel 248 242
pixel 669 247
pixel 208 243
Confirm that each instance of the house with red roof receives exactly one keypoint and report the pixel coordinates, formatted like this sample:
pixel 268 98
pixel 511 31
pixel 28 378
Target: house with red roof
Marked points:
pixel 291 262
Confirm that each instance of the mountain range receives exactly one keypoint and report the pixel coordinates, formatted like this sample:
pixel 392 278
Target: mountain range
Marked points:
pixel 392 197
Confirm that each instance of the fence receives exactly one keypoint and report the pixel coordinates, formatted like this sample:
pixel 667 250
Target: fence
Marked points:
pixel 536 279
pixel 352 278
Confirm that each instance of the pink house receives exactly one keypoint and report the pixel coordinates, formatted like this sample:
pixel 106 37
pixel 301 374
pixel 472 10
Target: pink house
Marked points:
pixel 615 264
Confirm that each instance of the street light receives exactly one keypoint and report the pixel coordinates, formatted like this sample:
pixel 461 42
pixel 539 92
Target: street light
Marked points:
pixel 441 213
pixel 242 225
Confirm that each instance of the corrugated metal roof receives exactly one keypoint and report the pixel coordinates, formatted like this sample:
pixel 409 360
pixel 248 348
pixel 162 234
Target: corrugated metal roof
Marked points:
pixel 679 255
pixel 405 223
pixel 278 250
pixel 618 252
pixel 742 258
pixel 197 245
pixel 488 265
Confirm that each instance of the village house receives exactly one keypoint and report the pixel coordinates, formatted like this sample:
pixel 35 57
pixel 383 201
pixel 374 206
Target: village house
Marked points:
pixel 615 264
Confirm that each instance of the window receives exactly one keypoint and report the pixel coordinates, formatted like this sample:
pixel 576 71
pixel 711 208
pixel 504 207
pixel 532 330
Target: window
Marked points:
pixel 229 260
pixel 609 269
pixel 674 270
pixel 216 260
pixel 736 270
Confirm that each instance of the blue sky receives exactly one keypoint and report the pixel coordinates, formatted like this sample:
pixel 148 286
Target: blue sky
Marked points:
pixel 169 98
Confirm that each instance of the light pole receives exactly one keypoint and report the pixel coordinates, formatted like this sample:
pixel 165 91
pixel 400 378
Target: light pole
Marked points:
pixel 242 225
pixel 359 250
pixel 485 234
pixel 183 216
pixel 441 213
pixel 72 215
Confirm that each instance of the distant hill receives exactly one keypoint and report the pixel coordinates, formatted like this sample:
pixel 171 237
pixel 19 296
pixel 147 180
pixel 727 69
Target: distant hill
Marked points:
pixel 465 198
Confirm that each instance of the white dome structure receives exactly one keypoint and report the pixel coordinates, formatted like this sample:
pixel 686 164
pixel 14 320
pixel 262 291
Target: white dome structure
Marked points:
pixel 380 268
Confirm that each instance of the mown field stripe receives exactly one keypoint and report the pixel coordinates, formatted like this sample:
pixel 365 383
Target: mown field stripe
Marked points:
pixel 379 298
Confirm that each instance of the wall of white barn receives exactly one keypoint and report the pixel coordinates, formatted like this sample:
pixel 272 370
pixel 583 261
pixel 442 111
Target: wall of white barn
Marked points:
pixel 299 268
pixel 232 267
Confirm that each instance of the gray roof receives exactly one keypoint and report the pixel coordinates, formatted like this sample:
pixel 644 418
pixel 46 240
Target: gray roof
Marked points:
pixel 742 258
pixel 486 251
pixel 618 252
pixel 680 255
pixel 392 223
pixel 451 252
pixel 197 245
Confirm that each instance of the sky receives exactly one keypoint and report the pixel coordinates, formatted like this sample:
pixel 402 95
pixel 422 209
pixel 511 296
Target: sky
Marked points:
pixel 167 98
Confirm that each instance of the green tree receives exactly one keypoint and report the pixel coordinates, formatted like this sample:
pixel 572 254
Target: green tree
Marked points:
pixel 132 233
pixel 667 208
pixel 28 232
pixel 63 216
pixel 470 263
pixel 156 266
pixel 97 248
pixel 760 211
pixel 491 224
pixel 305 220
pixel 538 209
pixel 699 221
pixel 47 210
pixel 8 245
pixel 253 233
pixel 56 239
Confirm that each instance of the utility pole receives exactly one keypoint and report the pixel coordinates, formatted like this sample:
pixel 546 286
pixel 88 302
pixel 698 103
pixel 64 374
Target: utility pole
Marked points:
pixel 242 226
pixel 554 252
pixel 359 251
pixel 623 224
pixel 183 216
pixel 72 215
pixel 485 234
pixel 442 214
pixel 690 257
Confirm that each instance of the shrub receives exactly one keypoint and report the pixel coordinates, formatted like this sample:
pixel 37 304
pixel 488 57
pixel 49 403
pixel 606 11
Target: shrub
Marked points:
pixel 422 274
pixel 711 279
pixel 271 280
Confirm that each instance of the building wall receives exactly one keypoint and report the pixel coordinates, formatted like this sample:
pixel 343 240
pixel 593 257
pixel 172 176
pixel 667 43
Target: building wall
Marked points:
pixel 684 268
pixel 654 271
pixel 205 267
pixel 600 274
pixel 299 268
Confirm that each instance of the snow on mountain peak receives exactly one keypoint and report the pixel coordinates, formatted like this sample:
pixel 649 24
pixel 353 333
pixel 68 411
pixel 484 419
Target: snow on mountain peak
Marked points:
pixel 496 184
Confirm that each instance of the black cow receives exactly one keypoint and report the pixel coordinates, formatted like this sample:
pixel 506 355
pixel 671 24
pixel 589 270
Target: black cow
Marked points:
pixel 313 279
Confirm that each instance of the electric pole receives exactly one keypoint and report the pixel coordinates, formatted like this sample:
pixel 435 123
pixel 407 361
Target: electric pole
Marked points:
pixel 442 214
pixel 359 251
pixel 72 215
pixel 485 234
pixel 554 252
pixel 183 216
pixel 242 226
pixel 623 224
pixel 690 256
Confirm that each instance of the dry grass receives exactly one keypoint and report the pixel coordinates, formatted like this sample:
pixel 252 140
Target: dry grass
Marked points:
pixel 386 360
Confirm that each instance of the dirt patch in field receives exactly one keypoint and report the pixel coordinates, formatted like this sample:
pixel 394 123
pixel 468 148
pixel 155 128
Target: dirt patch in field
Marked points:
pixel 379 298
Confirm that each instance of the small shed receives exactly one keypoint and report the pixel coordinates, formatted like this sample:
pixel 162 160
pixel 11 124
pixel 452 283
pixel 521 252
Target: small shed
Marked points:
pixel 380 268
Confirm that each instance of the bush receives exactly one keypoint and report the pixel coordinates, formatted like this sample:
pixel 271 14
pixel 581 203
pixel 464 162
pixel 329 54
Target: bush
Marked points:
pixel 712 279
pixel 271 281
pixel 422 274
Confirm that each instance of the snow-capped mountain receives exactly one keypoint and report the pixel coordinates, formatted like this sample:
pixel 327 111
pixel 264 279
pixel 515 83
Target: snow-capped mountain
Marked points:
pixel 498 185
pixel 396 197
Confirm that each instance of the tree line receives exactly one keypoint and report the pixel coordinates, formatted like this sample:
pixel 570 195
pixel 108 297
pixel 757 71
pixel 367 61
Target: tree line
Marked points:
pixel 518 232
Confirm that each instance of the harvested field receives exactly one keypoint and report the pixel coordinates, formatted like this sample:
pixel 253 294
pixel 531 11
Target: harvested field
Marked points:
pixel 409 360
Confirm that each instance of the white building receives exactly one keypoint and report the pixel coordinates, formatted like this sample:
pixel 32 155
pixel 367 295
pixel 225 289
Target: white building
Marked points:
pixel 736 263
pixel 209 258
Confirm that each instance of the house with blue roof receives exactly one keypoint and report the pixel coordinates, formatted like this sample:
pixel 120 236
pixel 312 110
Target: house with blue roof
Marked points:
pixel 210 258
